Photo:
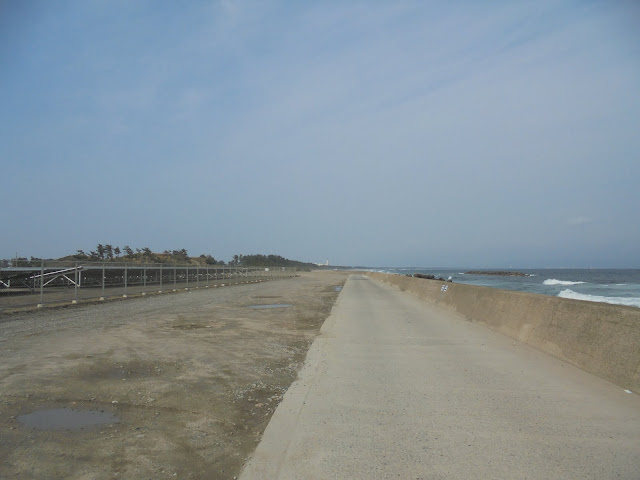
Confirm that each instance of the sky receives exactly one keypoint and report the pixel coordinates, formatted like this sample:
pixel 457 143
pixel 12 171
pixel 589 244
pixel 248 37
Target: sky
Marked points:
pixel 405 133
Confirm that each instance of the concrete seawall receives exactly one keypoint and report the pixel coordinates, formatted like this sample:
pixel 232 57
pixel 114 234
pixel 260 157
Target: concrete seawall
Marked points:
pixel 599 338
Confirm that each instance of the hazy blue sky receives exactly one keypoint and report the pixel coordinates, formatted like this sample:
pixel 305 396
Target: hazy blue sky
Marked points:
pixel 370 133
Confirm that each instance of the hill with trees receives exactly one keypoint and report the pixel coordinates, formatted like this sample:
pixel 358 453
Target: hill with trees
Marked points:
pixel 111 253
pixel 108 253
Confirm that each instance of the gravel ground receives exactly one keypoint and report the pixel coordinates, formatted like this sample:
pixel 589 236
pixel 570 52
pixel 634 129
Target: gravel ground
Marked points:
pixel 192 376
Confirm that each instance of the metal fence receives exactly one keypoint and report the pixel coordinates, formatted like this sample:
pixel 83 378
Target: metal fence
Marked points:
pixel 59 283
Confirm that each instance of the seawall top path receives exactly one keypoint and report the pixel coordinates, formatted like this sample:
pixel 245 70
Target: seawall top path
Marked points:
pixel 399 388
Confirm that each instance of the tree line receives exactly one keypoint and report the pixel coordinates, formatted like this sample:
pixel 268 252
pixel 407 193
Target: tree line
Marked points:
pixel 111 253
pixel 257 260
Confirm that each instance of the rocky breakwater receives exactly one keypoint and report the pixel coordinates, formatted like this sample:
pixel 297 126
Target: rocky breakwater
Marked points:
pixel 497 273
pixel 428 277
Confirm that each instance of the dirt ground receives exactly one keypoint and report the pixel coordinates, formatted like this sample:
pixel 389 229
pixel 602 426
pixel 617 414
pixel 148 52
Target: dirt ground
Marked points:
pixel 193 377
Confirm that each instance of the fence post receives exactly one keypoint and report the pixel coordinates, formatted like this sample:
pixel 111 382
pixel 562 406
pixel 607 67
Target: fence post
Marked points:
pixel 103 272
pixel 197 276
pixel 160 277
pixel 75 281
pixel 187 276
pixel 175 273
pixel 144 277
pixel 41 281
pixel 125 278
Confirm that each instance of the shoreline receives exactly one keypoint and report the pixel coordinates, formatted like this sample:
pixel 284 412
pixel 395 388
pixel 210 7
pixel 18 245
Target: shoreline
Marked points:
pixel 612 286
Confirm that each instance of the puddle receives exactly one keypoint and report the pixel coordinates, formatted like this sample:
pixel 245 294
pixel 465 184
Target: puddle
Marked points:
pixel 337 289
pixel 65 419
pixel 272 305
pixel 189 326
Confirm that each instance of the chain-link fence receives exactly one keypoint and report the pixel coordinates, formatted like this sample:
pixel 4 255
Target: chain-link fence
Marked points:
pixel 59 283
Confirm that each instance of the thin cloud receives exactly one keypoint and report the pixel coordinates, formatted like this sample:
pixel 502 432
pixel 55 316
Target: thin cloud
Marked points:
pixel 576 221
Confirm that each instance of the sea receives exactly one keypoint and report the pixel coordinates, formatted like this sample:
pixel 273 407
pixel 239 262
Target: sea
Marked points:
pixel 616 286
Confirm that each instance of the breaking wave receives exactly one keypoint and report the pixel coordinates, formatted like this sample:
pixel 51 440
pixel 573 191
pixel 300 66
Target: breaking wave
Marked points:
pixel 553 281
pixel 629 301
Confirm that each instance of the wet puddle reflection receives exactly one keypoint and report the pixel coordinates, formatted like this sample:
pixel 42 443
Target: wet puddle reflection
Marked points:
pixel 65 419
pixel 272 305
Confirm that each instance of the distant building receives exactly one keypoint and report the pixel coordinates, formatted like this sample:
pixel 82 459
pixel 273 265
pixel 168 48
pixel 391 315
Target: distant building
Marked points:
pixel 325 264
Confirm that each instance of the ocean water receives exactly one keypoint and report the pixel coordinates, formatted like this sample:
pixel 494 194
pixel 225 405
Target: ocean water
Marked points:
pixel 616 286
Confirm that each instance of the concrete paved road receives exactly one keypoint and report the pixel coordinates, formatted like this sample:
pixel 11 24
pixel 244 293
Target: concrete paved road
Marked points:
pixel 397 388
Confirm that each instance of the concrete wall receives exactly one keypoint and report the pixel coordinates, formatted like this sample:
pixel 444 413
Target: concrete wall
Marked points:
pixel 600 338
